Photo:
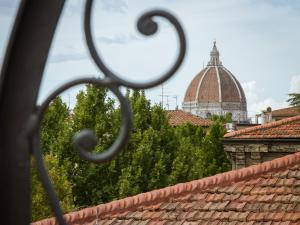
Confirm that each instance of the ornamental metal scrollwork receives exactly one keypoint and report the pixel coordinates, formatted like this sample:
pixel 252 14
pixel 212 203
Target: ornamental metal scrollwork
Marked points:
pixel 85 140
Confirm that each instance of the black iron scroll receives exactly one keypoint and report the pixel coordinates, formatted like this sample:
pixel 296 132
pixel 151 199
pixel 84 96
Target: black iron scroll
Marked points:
pixel 85 140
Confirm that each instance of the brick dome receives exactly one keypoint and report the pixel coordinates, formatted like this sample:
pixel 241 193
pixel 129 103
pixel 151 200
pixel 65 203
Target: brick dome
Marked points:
pixel 215 84
pixel 213 87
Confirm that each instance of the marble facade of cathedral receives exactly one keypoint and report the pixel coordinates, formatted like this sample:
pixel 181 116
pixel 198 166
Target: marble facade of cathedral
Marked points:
pixel 216 91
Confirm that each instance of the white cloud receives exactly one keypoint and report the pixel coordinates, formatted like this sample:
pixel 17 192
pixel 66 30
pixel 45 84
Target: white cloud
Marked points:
pixel 255 103
pixel 118 39
pixel 295 84
pixel 255 40
pixel 119 6
pixel 250 90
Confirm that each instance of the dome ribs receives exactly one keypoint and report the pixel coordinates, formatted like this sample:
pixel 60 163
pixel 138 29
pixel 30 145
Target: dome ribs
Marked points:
pixel 190 94
pixel 200 83
pixel 209 89
pixel 219 84
pixel 237 84
pixel 229 90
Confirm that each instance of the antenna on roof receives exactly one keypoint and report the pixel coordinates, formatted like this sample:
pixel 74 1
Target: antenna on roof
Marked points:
pixel 176 106
pixel 162 96
pixel 167 96
pixel 69 100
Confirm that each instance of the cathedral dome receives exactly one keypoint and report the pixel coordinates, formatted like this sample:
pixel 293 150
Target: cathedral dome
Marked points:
pixel 215 90
pixel 215 84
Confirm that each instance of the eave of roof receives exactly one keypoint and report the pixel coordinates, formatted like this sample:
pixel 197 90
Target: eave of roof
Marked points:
pixel 167 193
pixel 286 112
pixel 235 134
pixel 260 140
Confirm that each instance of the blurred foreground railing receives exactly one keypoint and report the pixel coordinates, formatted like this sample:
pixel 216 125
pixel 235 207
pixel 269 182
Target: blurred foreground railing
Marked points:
pixel 20 117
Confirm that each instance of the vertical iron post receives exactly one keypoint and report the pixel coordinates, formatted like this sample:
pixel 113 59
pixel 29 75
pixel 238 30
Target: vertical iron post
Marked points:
pixel 21 76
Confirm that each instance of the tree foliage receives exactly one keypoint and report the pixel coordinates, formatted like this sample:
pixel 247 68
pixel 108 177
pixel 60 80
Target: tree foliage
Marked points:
pixel 54 125
pixel 214 157
pixel 157 155
pixel 92 183
pixel 40 205
pixel 294 99
pixel 227 118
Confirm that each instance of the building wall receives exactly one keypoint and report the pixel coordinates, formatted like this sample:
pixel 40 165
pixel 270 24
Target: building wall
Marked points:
pixel 238 110
pixel 243 154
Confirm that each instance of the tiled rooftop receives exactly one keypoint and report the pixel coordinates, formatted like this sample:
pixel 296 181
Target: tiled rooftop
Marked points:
pixel 267 193
pixel 285 128
pixel 179 117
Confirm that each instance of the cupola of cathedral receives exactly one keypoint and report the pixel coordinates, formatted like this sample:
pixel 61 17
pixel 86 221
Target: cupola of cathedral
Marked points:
pixel 215 91
pixel 214 57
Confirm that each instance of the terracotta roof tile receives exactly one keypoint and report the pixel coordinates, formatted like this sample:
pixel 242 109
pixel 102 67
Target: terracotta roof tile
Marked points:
pixel 179 117
pixel 235 206
pixel 285 128
pixel 236 197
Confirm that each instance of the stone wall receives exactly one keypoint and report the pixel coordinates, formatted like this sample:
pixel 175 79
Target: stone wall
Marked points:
pixel 244 154
pixel 238 110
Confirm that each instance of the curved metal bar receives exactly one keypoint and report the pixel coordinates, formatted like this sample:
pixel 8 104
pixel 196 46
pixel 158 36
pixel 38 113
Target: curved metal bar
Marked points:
pixel 20 78
pixel 53 199
pixel 146 26
pixel 85 140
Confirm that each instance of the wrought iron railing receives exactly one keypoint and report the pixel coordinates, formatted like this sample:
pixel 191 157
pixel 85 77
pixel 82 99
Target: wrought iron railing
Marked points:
pixel 20 117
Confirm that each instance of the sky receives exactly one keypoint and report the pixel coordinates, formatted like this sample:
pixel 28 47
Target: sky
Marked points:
pixel 257 41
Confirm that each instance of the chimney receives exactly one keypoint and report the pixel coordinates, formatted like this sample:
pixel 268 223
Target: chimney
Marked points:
pixel 266 116
pixel 231 126
pixel 269 114
pixel 263 117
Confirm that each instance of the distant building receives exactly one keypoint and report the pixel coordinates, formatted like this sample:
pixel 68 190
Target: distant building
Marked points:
pixel 262 143
pixel 215 91
pixel 270 115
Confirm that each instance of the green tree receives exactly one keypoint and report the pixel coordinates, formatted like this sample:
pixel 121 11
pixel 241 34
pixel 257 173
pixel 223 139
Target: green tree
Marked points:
pixel 185 166
pixel 294 99
pixel 156 156
pixel 92 183
pixel 58 175
pixel 53 129
pixel 145 162
pixel 54 124
pixel 227 118
pixel 214 158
